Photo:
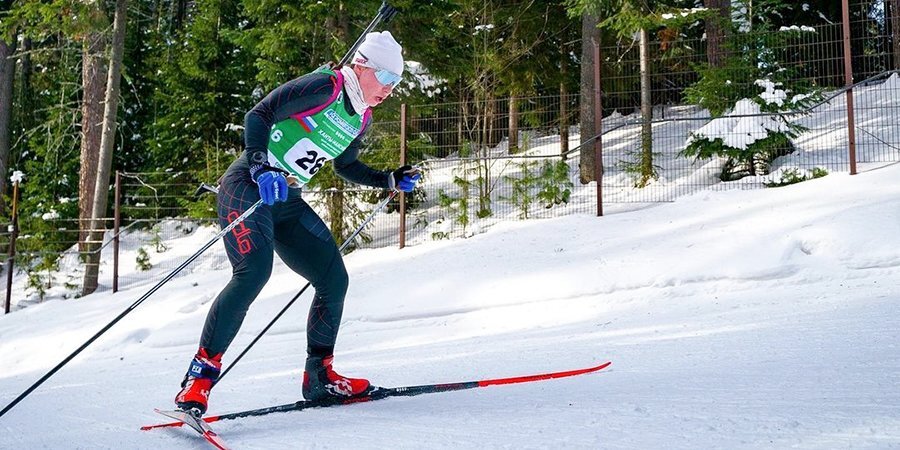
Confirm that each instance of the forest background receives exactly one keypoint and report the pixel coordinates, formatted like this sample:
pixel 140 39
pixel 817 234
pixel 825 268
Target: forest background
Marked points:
pixel 154 86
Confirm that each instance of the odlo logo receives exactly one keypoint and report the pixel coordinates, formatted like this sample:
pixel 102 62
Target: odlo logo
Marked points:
pixel 241 234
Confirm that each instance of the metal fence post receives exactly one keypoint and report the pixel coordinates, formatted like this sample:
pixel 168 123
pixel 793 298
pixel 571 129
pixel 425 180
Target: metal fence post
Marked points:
pixel 118 222
pixel 848 81
pixel 11 258
pixel 402 163
pixel 598 129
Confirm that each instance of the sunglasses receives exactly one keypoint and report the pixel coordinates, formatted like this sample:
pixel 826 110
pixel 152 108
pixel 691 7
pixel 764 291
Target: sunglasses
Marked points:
pixel 384 76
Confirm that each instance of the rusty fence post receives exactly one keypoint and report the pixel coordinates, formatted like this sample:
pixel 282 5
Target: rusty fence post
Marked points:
pixel 11 257
pixel 117 222
pixel 848 81
pixel 402 163
pixel 598 129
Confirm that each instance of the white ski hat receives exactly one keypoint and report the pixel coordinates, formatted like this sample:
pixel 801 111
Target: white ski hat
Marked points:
pixel 382 50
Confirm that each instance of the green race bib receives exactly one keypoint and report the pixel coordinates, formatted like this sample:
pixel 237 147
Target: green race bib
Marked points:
pixel 303 143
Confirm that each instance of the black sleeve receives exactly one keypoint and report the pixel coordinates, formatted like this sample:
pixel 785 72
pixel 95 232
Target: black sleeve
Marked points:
pixel 348 166
pixel 298 95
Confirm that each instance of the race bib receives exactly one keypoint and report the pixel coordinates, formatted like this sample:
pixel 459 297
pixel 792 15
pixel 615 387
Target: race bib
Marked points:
pixel 303 159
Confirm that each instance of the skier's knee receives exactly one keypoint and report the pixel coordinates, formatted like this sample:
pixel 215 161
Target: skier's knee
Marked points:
pixel 334 285
pixel 253 274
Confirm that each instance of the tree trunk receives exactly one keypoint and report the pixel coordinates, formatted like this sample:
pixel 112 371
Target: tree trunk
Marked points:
pixel 93 85
pixel 484 165
pixel 339 24
pixel 717 31
pixel 646 160
pixel 337 201
pixel 26 117
pixel 107 141
pixel 590 35
pixel 177 15
pixel 895 31
pixel 513 126
pixel 7 76
pixel 336 205
pixel 564 103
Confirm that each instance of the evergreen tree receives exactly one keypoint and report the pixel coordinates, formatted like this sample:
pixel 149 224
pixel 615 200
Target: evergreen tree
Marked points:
pixel 107 145
pixel 8 42
pixel 756 76
pixel 45 123
pixel 627 18
pixel 204 88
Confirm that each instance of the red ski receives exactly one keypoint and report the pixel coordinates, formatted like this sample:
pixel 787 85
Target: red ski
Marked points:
pixel 377 393
pixel 197 425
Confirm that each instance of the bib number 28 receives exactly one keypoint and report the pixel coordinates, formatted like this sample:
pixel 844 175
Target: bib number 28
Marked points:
pixel 311 162
pixel 305 158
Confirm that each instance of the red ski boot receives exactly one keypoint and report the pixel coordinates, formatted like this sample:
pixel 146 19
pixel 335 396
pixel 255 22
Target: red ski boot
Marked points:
pixel 199 380
pixel 321 382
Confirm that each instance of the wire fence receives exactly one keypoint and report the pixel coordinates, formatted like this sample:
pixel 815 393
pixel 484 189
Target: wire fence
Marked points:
pixel 497 159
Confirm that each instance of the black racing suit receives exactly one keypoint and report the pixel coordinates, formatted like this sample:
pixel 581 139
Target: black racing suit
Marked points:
pixel 291 228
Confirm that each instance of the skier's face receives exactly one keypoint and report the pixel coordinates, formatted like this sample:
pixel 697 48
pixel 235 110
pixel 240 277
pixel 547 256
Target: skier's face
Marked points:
pixel 374 92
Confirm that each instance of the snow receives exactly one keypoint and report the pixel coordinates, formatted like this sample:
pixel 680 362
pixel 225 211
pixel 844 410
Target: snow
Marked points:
pixel 746 124
pixel 53 214
pixel 682 13
pixel 734 319
pixel 486 27
pixel 804 28
pixel 742 126
pixel 421 80
pixel 771 94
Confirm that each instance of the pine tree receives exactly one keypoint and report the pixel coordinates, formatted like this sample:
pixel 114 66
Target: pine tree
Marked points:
pixel 107 143
pixel 45 123
pixel 8 41
pixel 755 77
pixel 627 18
pixel 204 88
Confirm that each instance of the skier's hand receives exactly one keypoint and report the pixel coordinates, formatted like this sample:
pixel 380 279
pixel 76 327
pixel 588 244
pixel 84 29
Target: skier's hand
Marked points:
pixel 404 178
pixel 273 186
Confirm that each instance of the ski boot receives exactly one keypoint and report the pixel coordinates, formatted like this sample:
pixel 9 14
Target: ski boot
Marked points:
pixel 198 381
pixel 321 382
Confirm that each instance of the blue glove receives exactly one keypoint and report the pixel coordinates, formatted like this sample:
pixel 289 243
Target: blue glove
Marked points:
pixel 404 178
pixel 273 186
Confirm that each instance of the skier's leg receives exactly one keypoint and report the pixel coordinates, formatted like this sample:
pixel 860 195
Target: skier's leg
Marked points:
pixel 227 312
pixel 306 246
pixel 249 248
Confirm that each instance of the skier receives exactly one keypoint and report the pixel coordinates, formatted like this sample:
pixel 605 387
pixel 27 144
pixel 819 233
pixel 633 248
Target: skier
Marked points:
pixel 288 136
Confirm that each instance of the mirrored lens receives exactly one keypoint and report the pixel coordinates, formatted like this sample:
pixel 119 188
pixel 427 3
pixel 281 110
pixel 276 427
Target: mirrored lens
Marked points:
pixel 387 78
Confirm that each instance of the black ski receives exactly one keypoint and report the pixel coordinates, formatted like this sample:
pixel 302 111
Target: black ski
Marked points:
pixel 382 393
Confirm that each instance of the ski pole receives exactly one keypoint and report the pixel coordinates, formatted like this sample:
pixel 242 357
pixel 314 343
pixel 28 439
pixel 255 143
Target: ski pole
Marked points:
pixel 134 305
pixel 347 242
pixel 385 14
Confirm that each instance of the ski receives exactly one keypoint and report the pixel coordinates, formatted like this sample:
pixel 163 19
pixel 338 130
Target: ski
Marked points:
pixel 378 393
pixel 197 425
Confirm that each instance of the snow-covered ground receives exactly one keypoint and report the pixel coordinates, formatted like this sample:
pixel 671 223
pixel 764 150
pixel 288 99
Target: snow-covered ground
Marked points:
pixel 734 319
